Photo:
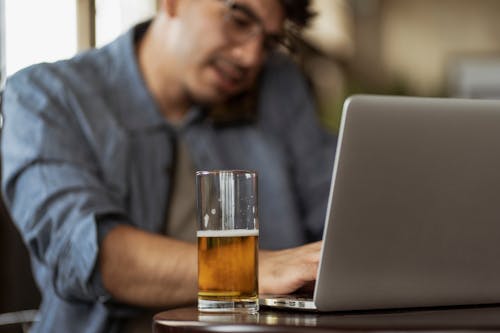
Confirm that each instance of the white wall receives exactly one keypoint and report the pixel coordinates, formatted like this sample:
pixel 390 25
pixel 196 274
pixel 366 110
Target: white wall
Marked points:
pixel 116 16
pixel 37 31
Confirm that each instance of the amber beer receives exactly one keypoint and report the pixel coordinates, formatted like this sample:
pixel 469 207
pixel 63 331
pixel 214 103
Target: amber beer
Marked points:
pixel 227 266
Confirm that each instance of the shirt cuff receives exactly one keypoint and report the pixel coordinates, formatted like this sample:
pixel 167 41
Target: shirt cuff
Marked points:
pixel 105 223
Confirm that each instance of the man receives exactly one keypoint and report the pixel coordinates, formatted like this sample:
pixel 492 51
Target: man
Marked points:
pixel 99 153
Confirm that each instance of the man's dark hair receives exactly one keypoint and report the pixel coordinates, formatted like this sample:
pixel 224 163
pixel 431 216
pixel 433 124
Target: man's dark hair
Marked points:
pixel 298 11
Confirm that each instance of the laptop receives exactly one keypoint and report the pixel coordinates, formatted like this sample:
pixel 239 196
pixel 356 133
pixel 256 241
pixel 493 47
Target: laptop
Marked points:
pixel 413 218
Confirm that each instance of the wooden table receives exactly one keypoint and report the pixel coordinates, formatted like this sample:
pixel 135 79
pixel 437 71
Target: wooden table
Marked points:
pixel 471 319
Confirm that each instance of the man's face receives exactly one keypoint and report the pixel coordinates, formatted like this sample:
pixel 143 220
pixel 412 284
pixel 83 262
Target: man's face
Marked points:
pixel 220 46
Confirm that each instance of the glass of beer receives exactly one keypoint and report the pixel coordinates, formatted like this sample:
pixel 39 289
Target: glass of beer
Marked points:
pixel 227 241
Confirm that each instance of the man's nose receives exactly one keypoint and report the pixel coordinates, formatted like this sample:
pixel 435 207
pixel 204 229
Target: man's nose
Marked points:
pixel 250 53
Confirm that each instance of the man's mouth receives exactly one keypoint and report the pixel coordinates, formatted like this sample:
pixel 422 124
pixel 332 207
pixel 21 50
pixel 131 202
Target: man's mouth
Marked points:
pixel 231 77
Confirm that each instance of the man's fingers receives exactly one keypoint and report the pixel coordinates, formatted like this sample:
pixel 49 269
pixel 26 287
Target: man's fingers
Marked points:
pixel 287 270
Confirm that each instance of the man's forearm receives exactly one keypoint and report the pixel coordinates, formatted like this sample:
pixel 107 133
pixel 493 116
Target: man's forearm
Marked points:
pixel 144 269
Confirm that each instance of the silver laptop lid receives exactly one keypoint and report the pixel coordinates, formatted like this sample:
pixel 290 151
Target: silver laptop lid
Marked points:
pixel 414 212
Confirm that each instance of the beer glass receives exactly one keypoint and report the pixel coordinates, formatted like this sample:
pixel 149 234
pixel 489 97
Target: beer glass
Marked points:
pixel 227 241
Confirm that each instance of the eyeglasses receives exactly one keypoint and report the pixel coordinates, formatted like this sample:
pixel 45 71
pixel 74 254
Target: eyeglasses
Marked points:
pixel 242 24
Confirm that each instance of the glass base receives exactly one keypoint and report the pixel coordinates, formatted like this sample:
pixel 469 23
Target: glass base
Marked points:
pixel 249 306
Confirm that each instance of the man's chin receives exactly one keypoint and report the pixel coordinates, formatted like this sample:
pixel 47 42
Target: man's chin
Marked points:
pixel 216 96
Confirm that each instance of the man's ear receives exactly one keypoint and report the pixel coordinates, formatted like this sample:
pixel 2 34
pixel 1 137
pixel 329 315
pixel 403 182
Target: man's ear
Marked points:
pixel 170 7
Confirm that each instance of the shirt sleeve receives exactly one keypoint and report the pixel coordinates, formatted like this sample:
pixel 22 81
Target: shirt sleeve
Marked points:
pixel 52 186
pixel 310 148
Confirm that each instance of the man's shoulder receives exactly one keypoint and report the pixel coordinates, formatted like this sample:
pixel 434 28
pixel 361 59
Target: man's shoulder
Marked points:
pixel 34 75
pixel 283 82
pixel 58 89
pixel 86 68
pixel 282 65
pixel 282 77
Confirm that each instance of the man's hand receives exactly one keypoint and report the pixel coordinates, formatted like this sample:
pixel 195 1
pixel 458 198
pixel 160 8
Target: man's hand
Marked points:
pixel 284 271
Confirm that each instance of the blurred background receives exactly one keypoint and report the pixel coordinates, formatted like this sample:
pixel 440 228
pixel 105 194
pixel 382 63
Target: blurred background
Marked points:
pixel 403 47
pixel 410 47
pixel 399 47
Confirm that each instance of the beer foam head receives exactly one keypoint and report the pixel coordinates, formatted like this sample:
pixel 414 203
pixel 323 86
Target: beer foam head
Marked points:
pixel 227 233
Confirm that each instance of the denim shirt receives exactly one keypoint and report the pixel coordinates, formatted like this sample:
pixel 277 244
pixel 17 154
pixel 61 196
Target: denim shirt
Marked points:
pixel 84 148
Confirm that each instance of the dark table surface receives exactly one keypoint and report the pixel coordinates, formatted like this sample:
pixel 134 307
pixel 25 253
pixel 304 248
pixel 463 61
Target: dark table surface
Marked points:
pixel 477 318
